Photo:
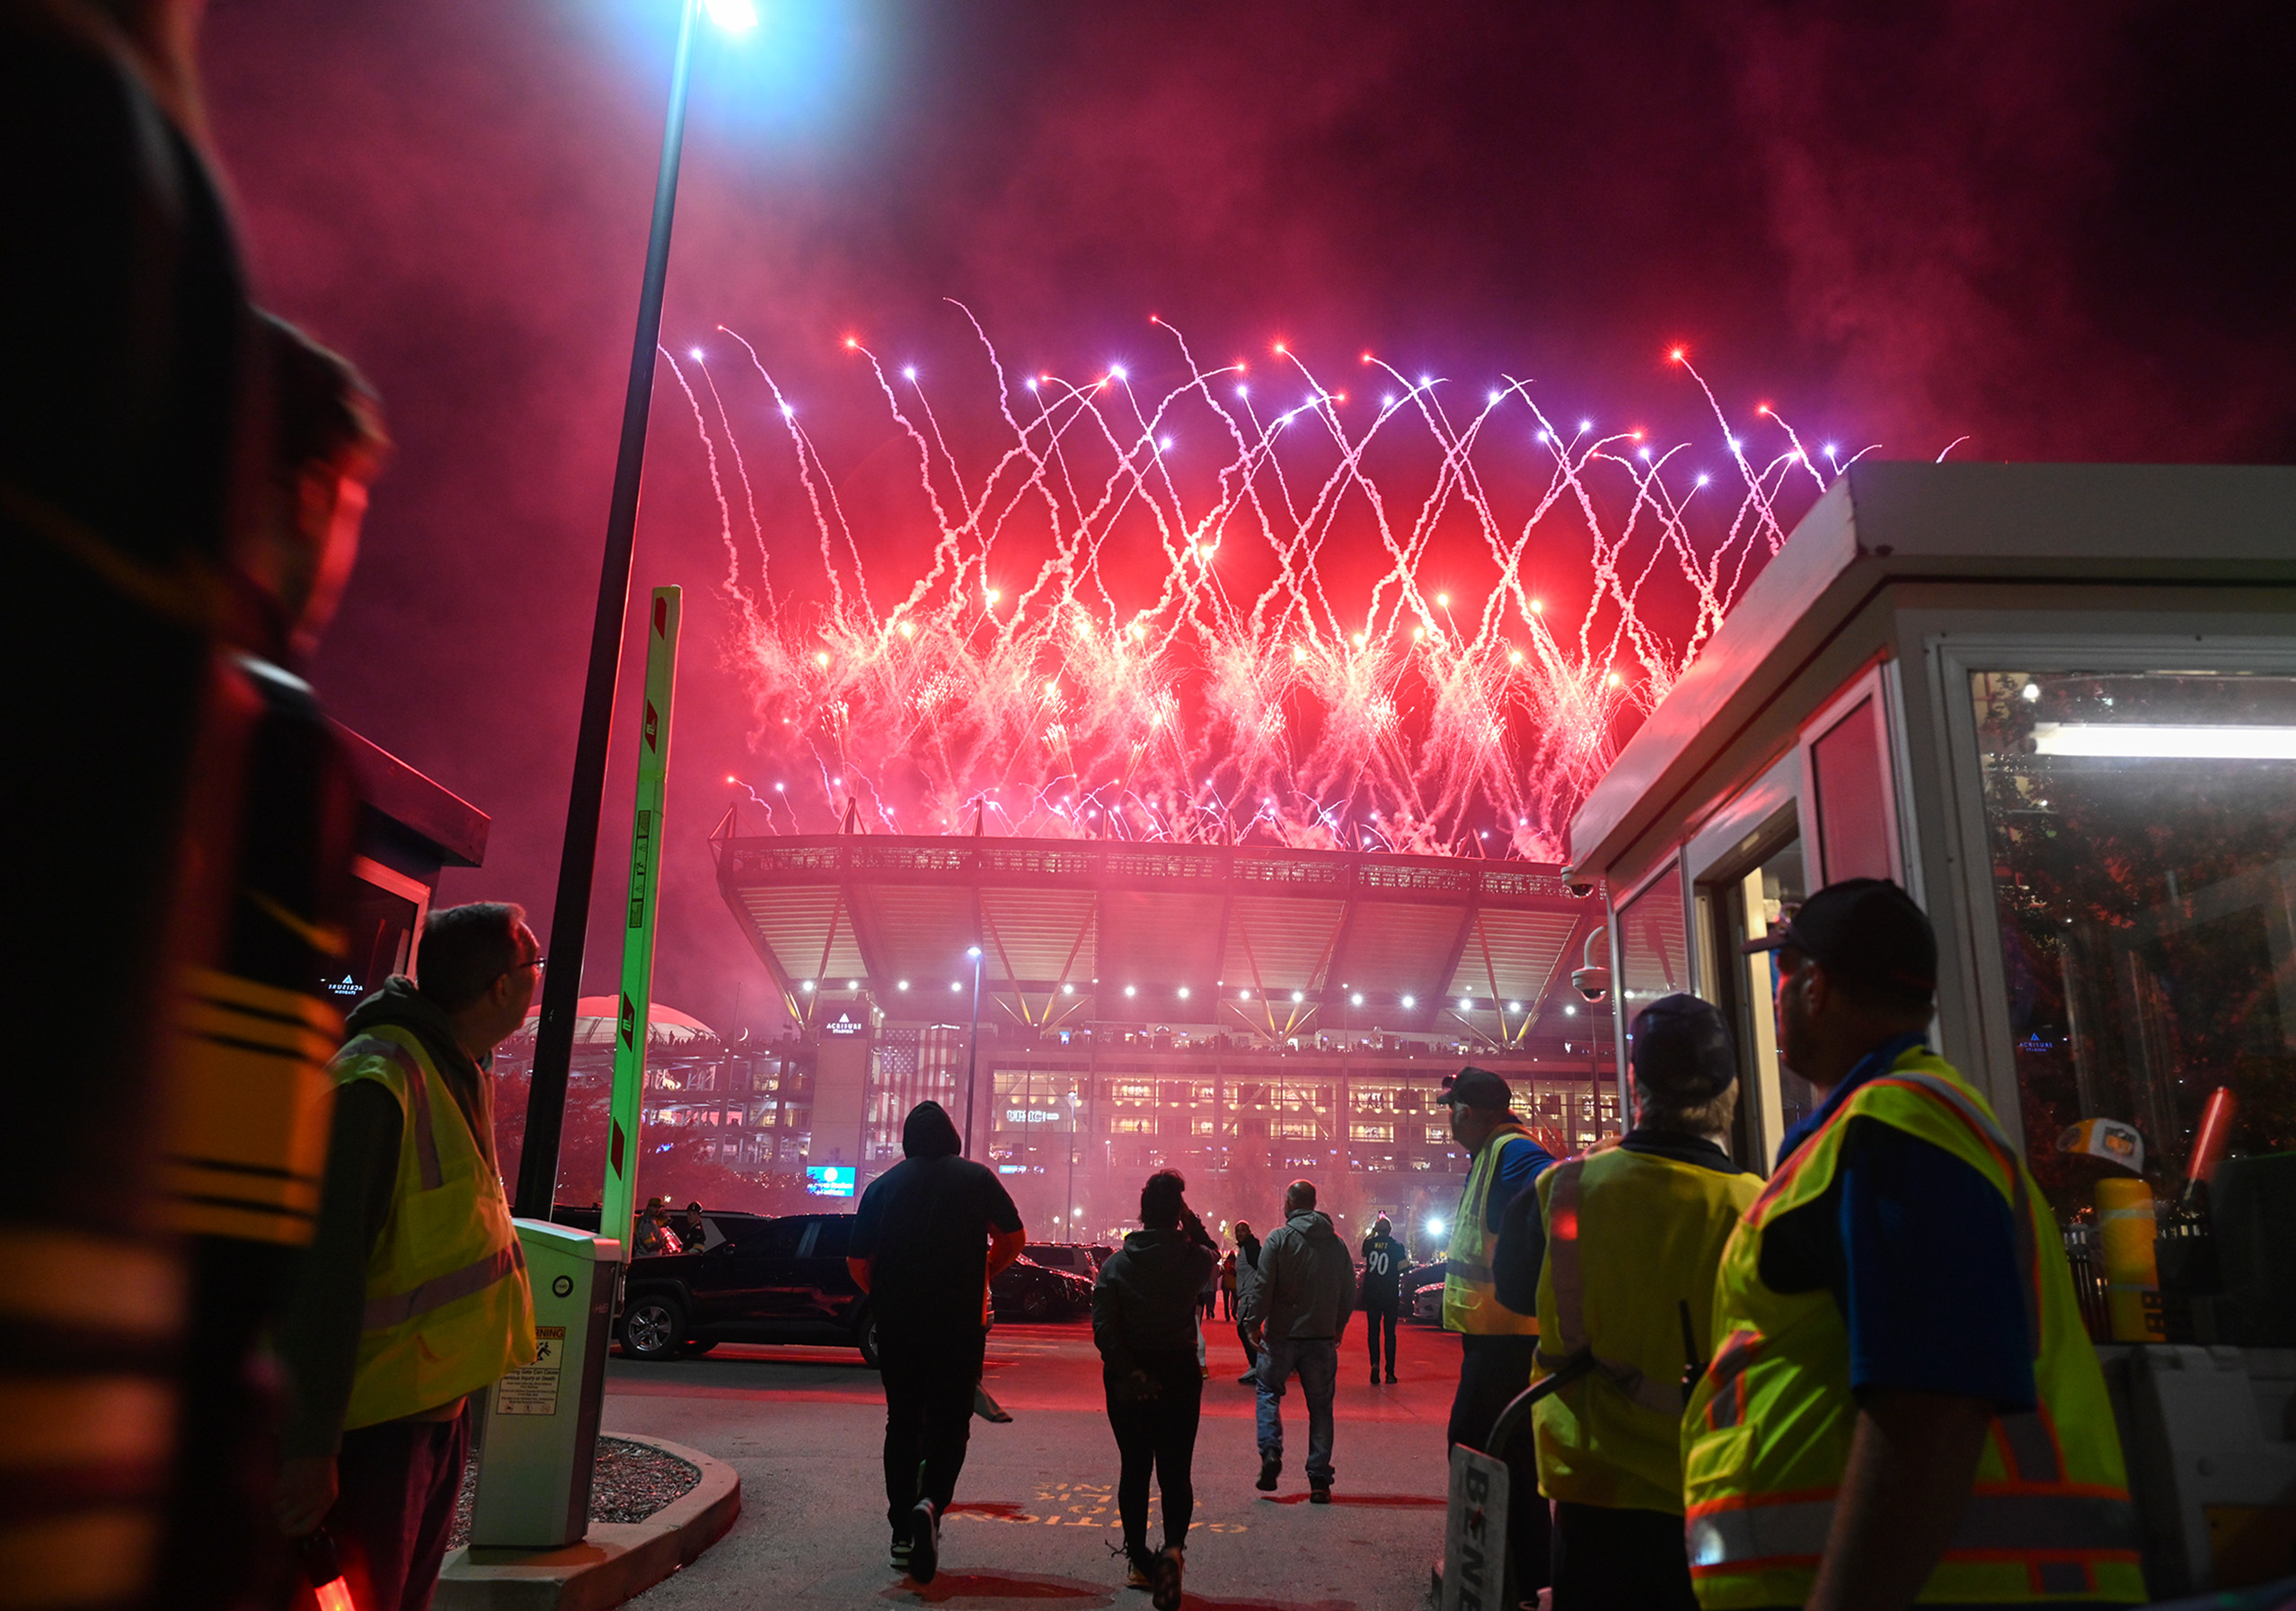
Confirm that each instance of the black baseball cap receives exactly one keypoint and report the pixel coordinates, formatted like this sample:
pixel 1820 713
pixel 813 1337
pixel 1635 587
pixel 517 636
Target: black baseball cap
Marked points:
pixel 1682 1049
pixel 1477 1088
pixel 1866 930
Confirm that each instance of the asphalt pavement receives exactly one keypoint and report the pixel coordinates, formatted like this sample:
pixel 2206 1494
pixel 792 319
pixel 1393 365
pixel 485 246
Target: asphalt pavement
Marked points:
pixel 1034 1523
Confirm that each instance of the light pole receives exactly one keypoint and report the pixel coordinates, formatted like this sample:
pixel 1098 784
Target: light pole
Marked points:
pixel 973 1048
pixel 1071 1158
pixel 570 914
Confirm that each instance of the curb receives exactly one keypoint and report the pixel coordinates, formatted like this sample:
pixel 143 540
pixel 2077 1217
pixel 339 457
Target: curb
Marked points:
pixel 615 1561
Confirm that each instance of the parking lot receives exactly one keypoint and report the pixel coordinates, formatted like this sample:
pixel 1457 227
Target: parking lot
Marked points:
pixel 1034 1523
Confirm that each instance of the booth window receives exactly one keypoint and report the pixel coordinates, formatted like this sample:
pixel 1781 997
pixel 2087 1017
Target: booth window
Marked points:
pixel 1850 773
pixel 1654 960
pixel 2143 831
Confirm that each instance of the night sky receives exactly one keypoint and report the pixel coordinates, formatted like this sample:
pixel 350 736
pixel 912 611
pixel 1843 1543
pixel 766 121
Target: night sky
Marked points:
pixel 2059 230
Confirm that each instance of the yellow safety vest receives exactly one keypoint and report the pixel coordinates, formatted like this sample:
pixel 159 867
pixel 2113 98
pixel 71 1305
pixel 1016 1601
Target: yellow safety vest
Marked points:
pixel 1469 1299
pixel 1629 1238
pixel 1767 1432
pixel 447 1307
pixel 248 1109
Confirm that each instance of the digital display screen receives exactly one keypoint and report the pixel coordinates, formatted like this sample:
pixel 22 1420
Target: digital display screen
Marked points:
pixel 829 1180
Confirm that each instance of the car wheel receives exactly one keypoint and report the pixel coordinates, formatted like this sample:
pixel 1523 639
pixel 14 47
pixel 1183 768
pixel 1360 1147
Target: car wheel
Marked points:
pixel 865 1339
pixel 653 1328
pixel 1036 1304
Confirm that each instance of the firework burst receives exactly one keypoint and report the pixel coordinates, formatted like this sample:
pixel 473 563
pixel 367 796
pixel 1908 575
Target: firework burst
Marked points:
pixel 1257 636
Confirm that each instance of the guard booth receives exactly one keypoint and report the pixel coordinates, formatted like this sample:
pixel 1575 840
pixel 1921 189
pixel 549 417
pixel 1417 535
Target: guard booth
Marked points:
pixel 2058 705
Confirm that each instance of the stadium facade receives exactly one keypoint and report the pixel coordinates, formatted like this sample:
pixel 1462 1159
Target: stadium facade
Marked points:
pixel 1246 1013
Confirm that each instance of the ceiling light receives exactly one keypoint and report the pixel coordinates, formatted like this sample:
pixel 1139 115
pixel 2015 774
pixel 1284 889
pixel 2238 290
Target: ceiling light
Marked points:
pixel 2135 741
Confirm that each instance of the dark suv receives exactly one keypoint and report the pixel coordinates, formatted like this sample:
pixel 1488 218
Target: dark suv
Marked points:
pixel 752 1279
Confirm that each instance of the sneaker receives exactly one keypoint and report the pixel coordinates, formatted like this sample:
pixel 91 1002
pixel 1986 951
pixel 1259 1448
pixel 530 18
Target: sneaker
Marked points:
pixel 1318 1493
pixel 1166 1596
pixel 900 1551
pixel 924 1542
pixel 1390 1379
pixel 1376 1375
pixel 1270 1467
pixel 1251 1378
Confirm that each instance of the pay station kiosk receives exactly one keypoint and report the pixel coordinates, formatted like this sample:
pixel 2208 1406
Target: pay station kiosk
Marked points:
pixel 539 1446
pixel 2058 705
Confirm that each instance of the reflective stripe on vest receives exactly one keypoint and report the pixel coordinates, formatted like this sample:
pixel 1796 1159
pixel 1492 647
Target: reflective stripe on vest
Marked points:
pixel 1796 1530
pixel 447 1310
pixel 248 1106
pixel 1769 1428
pixel 396 1308
pixel 1469 1302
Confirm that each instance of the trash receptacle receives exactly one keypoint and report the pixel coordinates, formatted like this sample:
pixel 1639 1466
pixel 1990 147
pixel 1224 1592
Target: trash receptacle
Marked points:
pixel 542 1420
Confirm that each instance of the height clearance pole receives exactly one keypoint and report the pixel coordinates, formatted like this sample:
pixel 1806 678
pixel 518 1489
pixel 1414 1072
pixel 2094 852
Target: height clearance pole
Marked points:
pixel 620 1196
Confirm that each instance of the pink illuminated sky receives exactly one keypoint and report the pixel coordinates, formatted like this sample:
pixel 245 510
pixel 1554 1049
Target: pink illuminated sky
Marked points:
pixel 2060 230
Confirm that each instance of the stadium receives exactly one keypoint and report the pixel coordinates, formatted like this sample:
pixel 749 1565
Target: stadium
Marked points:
pixel 1245 1013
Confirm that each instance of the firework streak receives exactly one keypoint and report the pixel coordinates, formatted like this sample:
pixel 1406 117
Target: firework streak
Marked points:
pixel 1031 682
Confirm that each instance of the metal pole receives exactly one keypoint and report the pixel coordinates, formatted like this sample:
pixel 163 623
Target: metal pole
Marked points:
pixel 973 1051
pixel 578 861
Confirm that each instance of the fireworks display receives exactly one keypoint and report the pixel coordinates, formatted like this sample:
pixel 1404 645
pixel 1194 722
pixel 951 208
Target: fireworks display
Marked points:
pixel 1237 603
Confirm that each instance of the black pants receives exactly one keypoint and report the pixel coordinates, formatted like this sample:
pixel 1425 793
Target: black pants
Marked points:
pixel 1491 1371
pixel 394 1504
pixel 1251 1354
pixel 1615 1560
pixel 1379 1318
pixel 1157 1432
pixel 929 1375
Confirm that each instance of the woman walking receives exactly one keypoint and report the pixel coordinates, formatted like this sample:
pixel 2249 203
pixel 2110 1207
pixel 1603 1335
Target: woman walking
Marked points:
pixel 1144 1311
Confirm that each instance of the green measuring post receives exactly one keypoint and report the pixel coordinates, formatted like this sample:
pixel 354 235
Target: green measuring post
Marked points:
pixel 620 1199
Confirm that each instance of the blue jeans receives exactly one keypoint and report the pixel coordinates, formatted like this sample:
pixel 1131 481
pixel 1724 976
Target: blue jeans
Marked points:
pixel 1318 1363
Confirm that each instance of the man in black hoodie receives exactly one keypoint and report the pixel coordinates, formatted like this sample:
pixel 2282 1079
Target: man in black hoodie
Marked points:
pixel 931 1233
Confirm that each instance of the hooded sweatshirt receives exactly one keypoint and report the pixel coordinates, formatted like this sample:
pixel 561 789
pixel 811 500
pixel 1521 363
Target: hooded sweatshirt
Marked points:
pixel 923 1225
pixel 1307 1283
pixel 319 1334
pixel 1145 1300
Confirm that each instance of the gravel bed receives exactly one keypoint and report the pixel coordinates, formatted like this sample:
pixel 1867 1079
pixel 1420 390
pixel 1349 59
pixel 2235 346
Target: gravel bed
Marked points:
pixel 631 1482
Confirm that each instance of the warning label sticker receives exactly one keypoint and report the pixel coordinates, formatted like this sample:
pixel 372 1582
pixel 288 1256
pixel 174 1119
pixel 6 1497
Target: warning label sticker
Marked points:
pixel 533 1389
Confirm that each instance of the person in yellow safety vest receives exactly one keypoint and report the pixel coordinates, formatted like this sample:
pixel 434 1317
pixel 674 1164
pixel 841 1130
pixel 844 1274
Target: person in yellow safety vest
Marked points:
pixel 1903 1406
pixel 1610 1248
pixel 1497 1344
pixel 413 1295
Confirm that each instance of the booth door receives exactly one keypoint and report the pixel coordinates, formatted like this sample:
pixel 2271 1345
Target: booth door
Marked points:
pixel 1745 904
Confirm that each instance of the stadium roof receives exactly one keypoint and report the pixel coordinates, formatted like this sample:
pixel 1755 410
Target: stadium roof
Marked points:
pixel 1276 941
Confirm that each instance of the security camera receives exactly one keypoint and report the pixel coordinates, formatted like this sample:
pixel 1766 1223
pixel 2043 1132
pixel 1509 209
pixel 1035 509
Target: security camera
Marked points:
pixel 1579 887
pixel 1592 980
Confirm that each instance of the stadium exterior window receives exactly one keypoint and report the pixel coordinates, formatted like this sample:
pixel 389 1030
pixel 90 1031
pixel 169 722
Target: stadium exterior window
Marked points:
pixel 1371 1132
pixel 1134 1126
pixel 1437 1134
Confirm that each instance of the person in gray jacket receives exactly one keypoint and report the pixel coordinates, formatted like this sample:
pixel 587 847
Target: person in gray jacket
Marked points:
pixel 1144 1309
pixel 1300 1307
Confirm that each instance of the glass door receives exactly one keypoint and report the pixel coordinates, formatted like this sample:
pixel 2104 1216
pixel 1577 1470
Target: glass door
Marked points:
pixel 1742 906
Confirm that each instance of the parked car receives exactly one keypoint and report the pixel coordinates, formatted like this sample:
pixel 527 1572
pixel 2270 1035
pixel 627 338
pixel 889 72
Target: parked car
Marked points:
pixel 1423 1290
pixel 1077 1257
pixel 1025 1290
pixel 752 1279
